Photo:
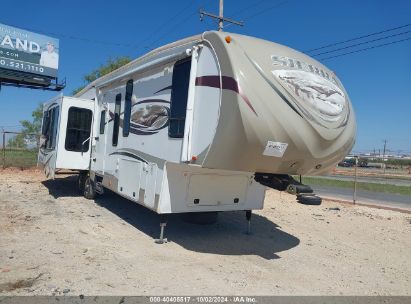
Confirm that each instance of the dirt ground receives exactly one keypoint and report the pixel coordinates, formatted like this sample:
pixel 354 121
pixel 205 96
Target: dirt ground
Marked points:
pixel 55 242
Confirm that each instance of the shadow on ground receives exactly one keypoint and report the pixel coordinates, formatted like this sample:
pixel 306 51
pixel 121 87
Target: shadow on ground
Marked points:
pixel 65 186
pixel 226 237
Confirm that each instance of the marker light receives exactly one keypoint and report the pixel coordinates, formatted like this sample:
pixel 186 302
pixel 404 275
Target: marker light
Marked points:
pixel 227 39
pixel 194 158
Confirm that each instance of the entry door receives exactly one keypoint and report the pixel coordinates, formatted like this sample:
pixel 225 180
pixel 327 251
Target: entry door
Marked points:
pixel 178 99
pixel 181 103
pixel 48 150
pixel 99 150
pixel 189 121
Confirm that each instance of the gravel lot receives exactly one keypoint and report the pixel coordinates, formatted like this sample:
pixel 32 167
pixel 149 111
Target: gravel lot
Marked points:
pixel 54 242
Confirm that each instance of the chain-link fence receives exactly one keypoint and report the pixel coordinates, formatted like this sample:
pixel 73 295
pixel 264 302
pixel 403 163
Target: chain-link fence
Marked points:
pixel 368 179
pixel 19 149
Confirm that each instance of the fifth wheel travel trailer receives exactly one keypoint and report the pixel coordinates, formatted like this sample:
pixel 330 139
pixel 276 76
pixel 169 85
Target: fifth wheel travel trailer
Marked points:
pixel 205 123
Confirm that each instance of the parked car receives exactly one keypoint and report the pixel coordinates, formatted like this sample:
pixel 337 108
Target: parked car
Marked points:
pixel 345 164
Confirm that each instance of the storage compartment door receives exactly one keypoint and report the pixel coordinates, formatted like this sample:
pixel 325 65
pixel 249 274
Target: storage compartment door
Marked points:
pixel 214 190
pixel 129 177
pixel 150 177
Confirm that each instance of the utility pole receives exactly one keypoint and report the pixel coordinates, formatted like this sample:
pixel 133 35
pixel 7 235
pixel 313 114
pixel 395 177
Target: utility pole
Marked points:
pixel 220 17
pixel 355 180
pixel 385 146
pixel 383 153
pixel 4 148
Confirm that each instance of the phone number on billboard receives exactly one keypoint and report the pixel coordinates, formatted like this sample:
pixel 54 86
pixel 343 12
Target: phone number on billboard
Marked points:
pixel 21 66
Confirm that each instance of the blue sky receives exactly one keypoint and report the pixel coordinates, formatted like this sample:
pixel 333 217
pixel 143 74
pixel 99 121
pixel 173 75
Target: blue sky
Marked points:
pixel 378 81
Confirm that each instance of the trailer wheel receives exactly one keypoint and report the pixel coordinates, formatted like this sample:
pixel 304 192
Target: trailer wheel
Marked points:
pixel 200 218
pixel 81 180
pixel 89 188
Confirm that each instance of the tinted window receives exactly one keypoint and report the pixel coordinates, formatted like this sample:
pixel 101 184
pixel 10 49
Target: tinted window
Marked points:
pixel 50 127
pixel 127 108
pixel 46 121
pixel 78 129
pixel 179 94
pixel 116 124
pixel 54 126
pixel 102 121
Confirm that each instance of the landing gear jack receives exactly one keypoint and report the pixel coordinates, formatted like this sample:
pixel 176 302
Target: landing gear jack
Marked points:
pixel 248 217
pixel 163 224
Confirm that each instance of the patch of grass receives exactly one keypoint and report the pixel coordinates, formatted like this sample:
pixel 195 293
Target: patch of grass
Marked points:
pixel 19 158
pixel 375 187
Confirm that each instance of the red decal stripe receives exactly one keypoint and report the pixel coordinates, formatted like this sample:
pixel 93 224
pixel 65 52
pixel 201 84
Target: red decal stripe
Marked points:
pixel 229 83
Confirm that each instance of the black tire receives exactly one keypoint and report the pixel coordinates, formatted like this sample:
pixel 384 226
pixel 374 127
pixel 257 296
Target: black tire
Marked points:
pixel 309 200
pixel 89 189
pixel 200 218
pixel 81 180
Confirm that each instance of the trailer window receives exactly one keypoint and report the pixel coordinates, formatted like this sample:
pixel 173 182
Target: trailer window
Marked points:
pixel 116 124
pixel 49 129
pixel 127 108
pixel 179 95
pixel 102 121
pixel 54 127
pixel 78 129
pixel 46 122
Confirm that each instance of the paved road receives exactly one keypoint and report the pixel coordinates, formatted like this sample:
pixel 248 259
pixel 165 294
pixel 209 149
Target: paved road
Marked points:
pixel 364 196
pixel 372 179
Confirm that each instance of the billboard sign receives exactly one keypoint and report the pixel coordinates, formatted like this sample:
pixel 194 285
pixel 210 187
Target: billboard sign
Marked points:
pixel 27 52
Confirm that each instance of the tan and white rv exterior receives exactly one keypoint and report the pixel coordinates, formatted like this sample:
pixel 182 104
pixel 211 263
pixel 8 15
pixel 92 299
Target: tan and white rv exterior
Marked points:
pixel 186 127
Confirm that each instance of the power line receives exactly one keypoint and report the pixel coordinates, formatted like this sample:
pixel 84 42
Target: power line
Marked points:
pixel 211 23
pixel 187 17
pixel 170 30
pixel 235 14
pixel 266 10
pixel 162 25
pixel 220 17
pixel 59 35
pixel 361 43
pixel 365 49
pixel 263 11
pixel 13 126
pixel 356 38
